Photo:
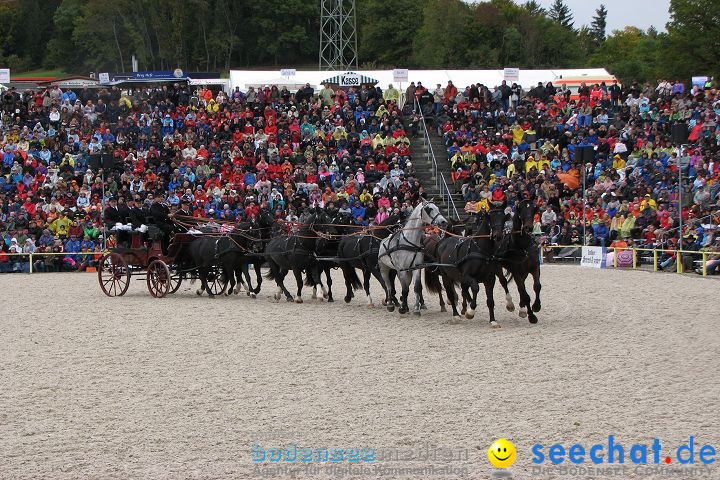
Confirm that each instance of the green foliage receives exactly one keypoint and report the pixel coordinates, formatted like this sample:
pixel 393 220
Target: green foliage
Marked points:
pixel 694 37
pixel 561 14
pixel 599 24
pixel 102 35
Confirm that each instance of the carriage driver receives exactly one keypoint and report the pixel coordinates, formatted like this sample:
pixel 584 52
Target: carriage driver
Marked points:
pixel 160 214
pixel 113 219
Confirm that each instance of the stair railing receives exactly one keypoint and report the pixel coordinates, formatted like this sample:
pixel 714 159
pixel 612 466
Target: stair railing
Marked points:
pixel 440 182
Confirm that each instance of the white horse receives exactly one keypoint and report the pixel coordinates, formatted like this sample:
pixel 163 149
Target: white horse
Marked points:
pixel 402 251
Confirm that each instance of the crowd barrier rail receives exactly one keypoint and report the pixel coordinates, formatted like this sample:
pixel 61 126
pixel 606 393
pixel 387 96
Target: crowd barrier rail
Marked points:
pixel 46 254
pixel 656 252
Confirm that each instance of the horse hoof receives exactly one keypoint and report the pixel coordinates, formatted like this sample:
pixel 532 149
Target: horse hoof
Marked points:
pixel 298 300
pixel 510 308
pixel 252 295
pixel 423 307
pixel 347 299
pixel 443 309
pixel 390 308
pixel 416 312
pixel 536 307
pixel 371 305
pixel 330 300
pixel 210 295
pixel 468 316
pixel 533 319
pixel 403 311
pixel 289 299
pixel 384 303
pixel 494 324
pixel 198 292
pixel 522 313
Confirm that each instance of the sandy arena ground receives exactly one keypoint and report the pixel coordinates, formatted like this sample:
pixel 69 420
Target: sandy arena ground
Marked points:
pixel 94 387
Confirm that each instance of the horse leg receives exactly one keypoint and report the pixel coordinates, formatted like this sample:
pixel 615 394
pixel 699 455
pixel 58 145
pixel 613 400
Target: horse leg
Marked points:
pixel 451 294
pixel 393 275
pixel 405 280
pixel 509 305
pixel 229 272
pixel 419 301
pixel 258 274
pixel 385 273
pixel 203 282
pixel 525 310
pixel 489 287
pixel 348 284
pixel 366 286
pixel 536 286
pixel 317 280
pixel 299 280
pixel 328 280
pixel 465 292
pixel 375 271
pixel 467 286
pixel 246 273
pixel 282 273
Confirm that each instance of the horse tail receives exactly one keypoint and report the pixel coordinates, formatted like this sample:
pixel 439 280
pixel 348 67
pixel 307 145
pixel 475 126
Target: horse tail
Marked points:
pixel 352 276
pixel 270 275
pixel 432 280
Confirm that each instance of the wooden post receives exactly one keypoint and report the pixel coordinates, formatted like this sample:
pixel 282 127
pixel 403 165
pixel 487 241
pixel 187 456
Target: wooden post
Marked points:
pixel 704 265
pixel 634 252
pixel 31 264
pixel 655 266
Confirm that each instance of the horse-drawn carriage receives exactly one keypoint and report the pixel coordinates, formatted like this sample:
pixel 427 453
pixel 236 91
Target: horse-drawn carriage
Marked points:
pixel 163 273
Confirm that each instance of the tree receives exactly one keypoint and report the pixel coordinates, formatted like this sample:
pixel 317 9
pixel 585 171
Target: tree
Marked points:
pixel 693 37
pixel 599 24
pixel 561 14
pixel 533 8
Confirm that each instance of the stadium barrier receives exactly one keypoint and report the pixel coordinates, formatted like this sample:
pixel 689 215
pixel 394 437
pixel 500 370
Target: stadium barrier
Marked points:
pixel 31 262
pixel 544 251
pixel 655 253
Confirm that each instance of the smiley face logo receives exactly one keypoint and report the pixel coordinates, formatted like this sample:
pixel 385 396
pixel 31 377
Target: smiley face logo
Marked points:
pixel 502 453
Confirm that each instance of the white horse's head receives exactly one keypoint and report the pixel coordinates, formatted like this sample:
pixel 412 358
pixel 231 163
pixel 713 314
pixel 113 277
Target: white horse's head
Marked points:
pixel 431 215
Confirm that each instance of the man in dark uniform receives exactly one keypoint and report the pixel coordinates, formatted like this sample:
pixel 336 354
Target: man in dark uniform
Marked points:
pixel 160 214
pixel 113 216
pixel 123 210
pixel 184 209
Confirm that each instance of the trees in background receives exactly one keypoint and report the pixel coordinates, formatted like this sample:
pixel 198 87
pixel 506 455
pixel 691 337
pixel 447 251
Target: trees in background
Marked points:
pixel 103 35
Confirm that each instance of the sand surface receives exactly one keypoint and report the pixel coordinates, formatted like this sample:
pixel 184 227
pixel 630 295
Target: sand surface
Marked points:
pixel 134 387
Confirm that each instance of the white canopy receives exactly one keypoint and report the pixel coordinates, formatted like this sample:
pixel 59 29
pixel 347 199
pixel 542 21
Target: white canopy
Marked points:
pixel 429 78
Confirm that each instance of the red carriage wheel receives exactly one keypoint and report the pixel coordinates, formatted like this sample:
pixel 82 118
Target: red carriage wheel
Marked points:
pixel 175 282
pixel 113 275
pixel 158 278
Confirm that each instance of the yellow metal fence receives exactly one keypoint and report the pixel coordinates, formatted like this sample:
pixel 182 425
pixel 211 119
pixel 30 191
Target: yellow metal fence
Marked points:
pixel 656 252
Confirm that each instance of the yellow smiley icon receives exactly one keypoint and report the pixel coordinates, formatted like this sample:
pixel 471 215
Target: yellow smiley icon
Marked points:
pixel 502 453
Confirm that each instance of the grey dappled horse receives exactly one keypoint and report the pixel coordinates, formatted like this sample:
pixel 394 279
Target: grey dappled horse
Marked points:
pixel 402 251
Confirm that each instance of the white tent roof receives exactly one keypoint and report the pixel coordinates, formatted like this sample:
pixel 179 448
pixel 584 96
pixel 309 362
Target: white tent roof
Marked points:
pixel 429 78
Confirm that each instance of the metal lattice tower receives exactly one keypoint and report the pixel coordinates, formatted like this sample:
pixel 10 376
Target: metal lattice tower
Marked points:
pixel 338 35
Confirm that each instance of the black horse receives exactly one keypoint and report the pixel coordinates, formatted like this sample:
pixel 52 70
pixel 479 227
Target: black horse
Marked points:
pixel 250 238
pixel 326 247
pixel 468 261
pixel 214 255
pixel 361 251
pixel 296 252
pixel 519 254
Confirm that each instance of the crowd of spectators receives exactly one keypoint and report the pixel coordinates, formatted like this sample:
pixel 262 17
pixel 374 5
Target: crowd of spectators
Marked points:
pixel 626 144
pixel 225 156
pixel 203 153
